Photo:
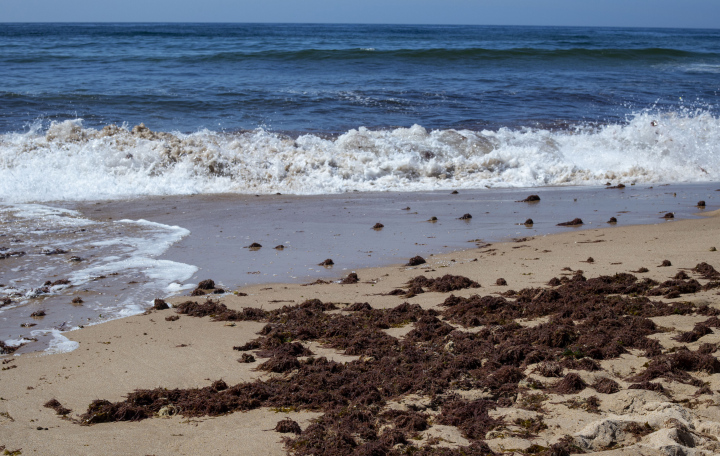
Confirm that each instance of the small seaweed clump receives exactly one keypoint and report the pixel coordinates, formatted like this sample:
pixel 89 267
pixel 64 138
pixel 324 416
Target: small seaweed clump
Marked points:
pixel 415 261
pixel 573 222
pixel 288 426
pixel 57 406
pixel 443 284
pixel 350 279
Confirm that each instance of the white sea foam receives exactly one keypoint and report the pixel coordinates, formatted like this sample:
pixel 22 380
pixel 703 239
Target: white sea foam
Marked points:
pixel 58 343
pixel 70 162
pixel 114 251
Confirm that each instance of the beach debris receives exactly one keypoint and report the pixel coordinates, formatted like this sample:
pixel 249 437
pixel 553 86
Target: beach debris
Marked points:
pixel 606 385
pixel 378 226
pixel 706 271
pixel 358 307
pixel 612 220
pixel 530 199
pixel 246 358
pixel 454 192
pixel 529 222
pixel 288 426
pixel 616 186
pixel 4 255
pixel 641 270
pixel 570 384
pixel 669 215
pixel 701 203
pixel 57 406
pixel 406 208
pixel 586 320
pixel 7 349
pixel 160 304
pixel 712 249
pixel 443 284
pixel 433 219
pixel 698 331
pixel 38 314
pixel 326 263
pixel 207 284
pixel 172 318
pixel 77 300
pixel 76 259
pixel 501 282
pixel 465 217
pixel 254 246
pixel 665 263
pixel 415 261
pixel 279 247
pixel 590 260
pixel 350 279
pixel 549 369
pixel 573 222
pixel 53 251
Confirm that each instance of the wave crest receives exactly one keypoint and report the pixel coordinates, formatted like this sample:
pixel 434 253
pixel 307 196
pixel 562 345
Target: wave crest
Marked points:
pixel 70 162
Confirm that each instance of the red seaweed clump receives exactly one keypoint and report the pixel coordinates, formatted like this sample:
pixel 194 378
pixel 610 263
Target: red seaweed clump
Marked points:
pixel 530 199
pixel 570 384
pixel 57 406
pixel 415 261
pixel 350 279
pixel 287 426
pixel 573 222
pixel 443 284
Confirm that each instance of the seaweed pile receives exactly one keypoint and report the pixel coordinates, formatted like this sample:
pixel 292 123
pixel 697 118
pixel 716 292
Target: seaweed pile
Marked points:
pixel 588 320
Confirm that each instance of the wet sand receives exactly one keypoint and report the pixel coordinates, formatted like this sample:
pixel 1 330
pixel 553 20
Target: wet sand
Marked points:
pixel 314 228
pixel 148 351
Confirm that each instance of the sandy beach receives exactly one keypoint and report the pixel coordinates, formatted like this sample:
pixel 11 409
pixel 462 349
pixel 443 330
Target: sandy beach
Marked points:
pixel 563 393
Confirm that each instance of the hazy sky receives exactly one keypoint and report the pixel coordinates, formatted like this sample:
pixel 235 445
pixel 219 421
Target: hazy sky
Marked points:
pixel 631 13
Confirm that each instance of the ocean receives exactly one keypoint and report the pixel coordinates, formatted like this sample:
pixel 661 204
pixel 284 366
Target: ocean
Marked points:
pixel 111 134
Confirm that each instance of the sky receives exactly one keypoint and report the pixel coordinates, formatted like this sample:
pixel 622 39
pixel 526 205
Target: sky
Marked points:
pixel 611 13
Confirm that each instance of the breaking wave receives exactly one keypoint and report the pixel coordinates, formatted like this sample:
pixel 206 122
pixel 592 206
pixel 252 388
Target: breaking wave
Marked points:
pixel 67 161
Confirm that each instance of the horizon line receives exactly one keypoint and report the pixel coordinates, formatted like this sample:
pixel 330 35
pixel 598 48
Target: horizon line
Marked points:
pixel 357 23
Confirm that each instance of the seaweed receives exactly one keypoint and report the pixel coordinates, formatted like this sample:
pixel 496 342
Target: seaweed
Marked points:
pixel 350 279
pixel 415 261
pixel 675 367
pixel 697 332
pixel 287 426
pixel 706 271
pixel 57 406
pixel 589 319
pixel 573 222
pixel 158 304
pixel 606 386
pixel 570 384
pixel 358 307
pixel 443 284
pixel 529 199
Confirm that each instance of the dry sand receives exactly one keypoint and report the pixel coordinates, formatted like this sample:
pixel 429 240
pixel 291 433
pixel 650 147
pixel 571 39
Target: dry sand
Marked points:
pixel 147 351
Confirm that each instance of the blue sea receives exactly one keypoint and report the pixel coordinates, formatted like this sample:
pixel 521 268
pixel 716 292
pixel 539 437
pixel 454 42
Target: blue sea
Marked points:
pixel 317 109
pixel 98 113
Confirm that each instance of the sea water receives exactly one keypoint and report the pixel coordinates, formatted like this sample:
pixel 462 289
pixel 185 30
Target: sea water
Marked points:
pixel 100 116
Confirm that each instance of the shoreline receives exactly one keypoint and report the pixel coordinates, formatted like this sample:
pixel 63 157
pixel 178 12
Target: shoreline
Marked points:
pixel 145 351
pixel 310 228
